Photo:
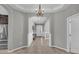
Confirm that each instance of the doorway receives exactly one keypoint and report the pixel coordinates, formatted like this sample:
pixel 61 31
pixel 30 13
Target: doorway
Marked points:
pixel 39 30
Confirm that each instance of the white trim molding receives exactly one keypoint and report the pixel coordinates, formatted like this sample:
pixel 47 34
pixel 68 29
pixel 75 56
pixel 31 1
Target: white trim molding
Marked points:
pixel 69 34
pixel 60 48
pixel 17 49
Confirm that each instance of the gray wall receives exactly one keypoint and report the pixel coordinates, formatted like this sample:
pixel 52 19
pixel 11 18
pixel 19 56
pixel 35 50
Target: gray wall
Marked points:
pixel 25 30
pixel 47 26
pixel 18 27
pixel 15 29
pixel 3 10
pixel 60 25
pixel 50 17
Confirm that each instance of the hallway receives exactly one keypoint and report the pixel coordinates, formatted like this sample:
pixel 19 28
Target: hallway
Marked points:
pixel 40 47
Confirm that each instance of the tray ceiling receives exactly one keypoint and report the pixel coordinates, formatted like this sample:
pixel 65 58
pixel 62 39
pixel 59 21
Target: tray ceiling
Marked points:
pixel 31 8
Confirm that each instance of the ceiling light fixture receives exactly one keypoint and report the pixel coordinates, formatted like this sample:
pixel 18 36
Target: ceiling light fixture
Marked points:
pixel 40 11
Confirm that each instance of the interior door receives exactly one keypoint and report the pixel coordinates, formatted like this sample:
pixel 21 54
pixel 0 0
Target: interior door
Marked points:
pixel 75 34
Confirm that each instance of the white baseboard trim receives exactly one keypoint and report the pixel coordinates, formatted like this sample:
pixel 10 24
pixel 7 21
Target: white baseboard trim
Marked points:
pixel 68 50
pixel 17 49
pixel 60 48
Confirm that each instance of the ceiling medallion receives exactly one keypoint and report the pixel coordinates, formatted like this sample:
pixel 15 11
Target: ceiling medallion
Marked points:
pixel 40 11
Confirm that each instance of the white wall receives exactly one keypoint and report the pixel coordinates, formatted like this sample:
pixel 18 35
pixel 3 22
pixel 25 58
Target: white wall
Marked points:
pixel 60 25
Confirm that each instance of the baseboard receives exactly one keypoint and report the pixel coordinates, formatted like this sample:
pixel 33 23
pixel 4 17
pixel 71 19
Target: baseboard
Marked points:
pixel 60 48
pixel 16 49
pixel 68 50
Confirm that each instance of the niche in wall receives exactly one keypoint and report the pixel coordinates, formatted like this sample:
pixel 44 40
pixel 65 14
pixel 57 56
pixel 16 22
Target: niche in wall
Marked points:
pixel 3 31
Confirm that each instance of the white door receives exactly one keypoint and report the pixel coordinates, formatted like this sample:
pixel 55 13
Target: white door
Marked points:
pixel 73 34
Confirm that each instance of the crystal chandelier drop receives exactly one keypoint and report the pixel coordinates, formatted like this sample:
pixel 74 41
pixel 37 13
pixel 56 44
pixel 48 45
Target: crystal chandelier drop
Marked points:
pixel 40 11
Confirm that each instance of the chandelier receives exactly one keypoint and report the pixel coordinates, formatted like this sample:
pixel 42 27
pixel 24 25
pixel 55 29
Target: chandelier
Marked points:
pixel 39 11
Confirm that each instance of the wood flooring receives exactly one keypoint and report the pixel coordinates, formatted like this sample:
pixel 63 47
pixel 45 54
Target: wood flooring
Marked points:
pixel 38 46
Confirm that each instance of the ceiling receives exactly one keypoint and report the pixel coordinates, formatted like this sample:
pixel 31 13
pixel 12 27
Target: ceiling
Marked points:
pixel 31 8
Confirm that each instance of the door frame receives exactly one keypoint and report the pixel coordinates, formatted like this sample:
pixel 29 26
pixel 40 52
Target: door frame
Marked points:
pixel 69 34
pixel 49 41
